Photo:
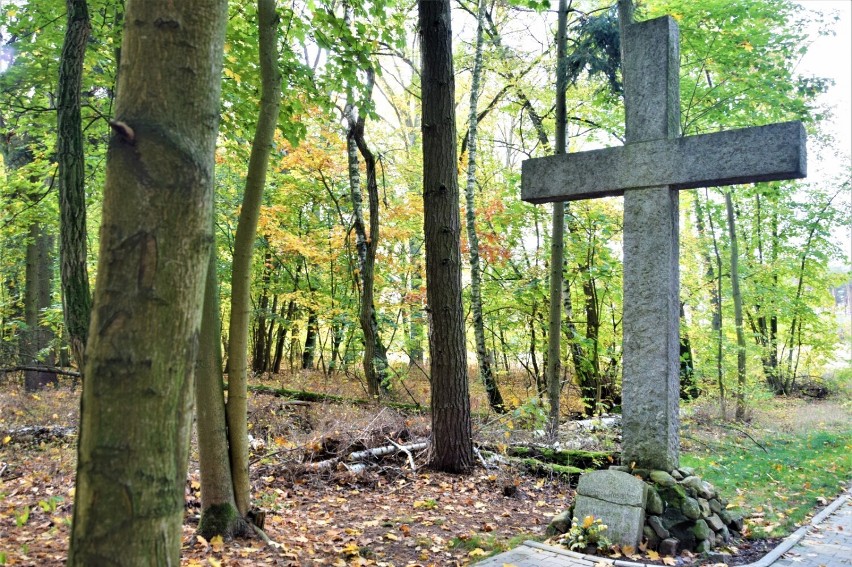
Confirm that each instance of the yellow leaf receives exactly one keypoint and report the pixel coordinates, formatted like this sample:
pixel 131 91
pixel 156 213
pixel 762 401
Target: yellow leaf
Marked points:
pixel 351 548
pixel 217 543
pixel 478 552
pixel 391 537
pixel 214 562
pixel 669 560
pixel 7 439
pixel 653 555
pixel 202 541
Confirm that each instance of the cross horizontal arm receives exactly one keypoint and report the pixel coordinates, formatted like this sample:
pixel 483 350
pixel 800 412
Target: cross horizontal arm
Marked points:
pixel 747 155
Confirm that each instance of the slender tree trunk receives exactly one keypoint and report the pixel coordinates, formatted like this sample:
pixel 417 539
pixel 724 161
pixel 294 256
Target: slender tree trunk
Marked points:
pixel 486 373
pixel 738 310
pixel 416 319
pixel 557 240
pixel 267 122
pixel 715 277
pixel 375 353
pixel 137 403
pixel 219 515
pixel 74 274
pixel 452 448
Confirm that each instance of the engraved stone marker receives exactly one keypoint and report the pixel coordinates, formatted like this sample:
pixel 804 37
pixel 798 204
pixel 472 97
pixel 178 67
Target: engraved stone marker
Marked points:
pixel 649 170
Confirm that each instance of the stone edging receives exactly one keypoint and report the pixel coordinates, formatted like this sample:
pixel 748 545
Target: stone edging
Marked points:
pixel 765 561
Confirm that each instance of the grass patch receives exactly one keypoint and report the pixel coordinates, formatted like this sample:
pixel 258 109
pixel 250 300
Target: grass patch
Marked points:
pixel 776 489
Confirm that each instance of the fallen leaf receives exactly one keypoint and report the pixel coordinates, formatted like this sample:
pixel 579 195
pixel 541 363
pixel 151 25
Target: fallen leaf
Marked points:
pixel 217 543
pixel 669 560
pixel 478 552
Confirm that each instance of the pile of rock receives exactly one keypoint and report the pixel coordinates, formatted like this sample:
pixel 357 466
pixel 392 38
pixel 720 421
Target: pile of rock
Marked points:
pixel 683 511
pixel 670 511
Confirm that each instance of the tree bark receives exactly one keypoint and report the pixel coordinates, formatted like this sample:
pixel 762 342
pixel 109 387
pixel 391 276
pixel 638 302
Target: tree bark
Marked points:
pixel 486 372
pixel 39 281
pixel 267 122
pixel 375 352
pixel 219 515
pixel 137 398
pixel 452 449
pixel 737 298
pixel 76 297
pixel 557 239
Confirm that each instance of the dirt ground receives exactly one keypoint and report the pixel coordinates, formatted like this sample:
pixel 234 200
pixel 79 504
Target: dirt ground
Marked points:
pixel 386 515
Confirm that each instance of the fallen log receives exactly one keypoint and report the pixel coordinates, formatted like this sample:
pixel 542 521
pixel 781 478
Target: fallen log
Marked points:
pixel 357 457
pixel 537 467
pixel 305 396
pixel 592 460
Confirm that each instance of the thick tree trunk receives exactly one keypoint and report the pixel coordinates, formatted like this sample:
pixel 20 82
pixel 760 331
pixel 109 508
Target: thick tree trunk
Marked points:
pixel 452 449
pixel 486 372
pixel 737 298
pixel 76 297
pixel 267 122
pixel 137 401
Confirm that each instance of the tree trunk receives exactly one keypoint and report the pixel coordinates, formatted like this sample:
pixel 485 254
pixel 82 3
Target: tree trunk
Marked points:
pixel 309 351
pixel 37 298
pixel 219 515
pixel 267 122
pixel 375 353
pixel 714 275
pixel 137 401
pixel 415 318
pixel 486 372
pixel 452 449
pixel 76 297
pixel 557 241
pixel 738 310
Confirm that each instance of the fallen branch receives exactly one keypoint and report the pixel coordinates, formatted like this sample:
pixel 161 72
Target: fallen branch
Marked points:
pixel 404 450
pixel 386 450
pixel 48 369
pixel 353 460
pixel 300 395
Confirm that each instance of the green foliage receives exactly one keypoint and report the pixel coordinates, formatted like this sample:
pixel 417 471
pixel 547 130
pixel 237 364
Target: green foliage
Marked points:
pixel 22 516
pixel 589 533
pixel 777 488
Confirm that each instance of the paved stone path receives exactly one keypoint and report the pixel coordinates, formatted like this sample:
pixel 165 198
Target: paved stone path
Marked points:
pixel 825 542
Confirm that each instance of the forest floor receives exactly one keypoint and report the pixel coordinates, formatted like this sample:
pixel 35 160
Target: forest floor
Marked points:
pixel 388 514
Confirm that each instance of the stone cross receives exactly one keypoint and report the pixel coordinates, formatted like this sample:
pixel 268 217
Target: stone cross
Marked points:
pixel 649 170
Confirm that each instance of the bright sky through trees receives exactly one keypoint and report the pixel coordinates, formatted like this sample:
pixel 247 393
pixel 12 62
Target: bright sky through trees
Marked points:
pixel 831 56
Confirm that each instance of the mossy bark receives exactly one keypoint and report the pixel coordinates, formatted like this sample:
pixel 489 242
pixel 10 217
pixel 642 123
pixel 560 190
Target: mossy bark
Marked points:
pixel 137 401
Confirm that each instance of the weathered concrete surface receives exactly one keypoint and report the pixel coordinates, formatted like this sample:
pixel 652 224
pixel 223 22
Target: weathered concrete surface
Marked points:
pixel 651 347
pixel 613 486
pixel 618 499
pixel 654 163
pixel 760 153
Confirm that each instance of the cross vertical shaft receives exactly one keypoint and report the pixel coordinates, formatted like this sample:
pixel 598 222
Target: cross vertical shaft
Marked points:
pixel 650 386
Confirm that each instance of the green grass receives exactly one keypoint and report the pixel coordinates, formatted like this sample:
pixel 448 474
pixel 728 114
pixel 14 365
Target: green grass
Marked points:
pixel 777 489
